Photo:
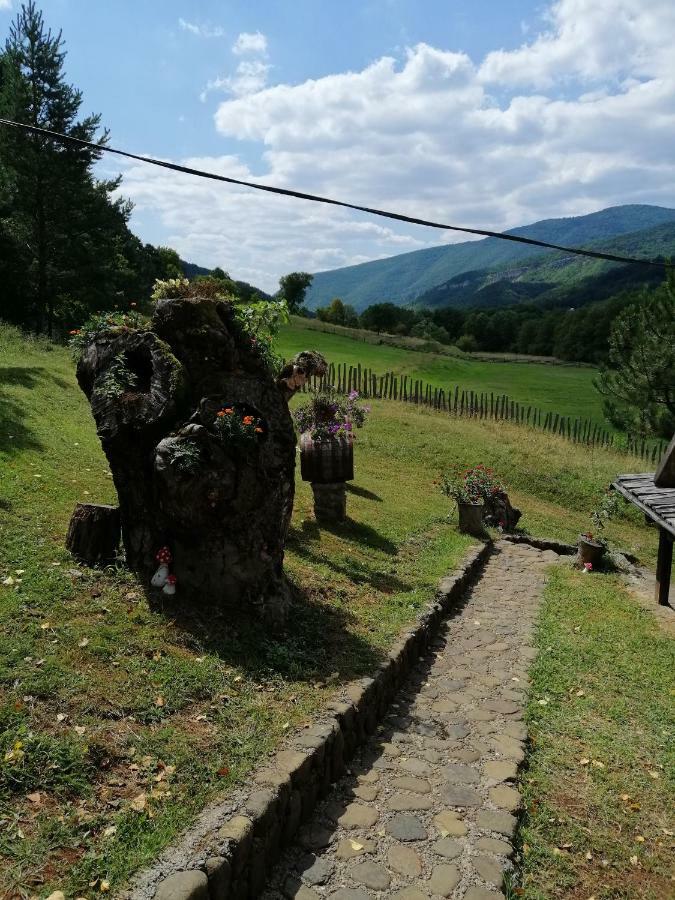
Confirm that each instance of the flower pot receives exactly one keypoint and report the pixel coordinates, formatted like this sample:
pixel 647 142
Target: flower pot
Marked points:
pixel 590 551
pixel 471 518
pixel 326 462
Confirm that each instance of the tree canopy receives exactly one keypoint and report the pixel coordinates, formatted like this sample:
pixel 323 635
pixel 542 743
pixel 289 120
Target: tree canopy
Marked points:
pixel 293 287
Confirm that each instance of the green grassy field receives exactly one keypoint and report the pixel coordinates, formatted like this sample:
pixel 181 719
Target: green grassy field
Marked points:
pixel 567 390
pixel 117 724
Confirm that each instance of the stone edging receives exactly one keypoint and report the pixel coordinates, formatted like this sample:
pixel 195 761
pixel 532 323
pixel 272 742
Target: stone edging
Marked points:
pixel 541 543
pixel 229 852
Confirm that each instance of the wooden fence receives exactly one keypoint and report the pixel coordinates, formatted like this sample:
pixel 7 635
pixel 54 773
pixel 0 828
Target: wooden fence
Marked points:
pixel 482 405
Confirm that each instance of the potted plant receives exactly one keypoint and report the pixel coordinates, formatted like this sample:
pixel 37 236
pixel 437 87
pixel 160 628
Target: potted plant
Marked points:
pixel 471 488
pixel 592 544
pixel 326 424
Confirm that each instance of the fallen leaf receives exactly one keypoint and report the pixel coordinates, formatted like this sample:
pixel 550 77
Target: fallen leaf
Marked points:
pixel 625 797
pixel 138 803
pixel 45 626
pixel 589 855
pixel 57 895
pixel 60 717
pixel 580 694
pixel 597 764
pixel 80 729
pixel 654 775
pixel 584 761
pixel 9 581
pixel 104 886
pixel 109 831
pixel 237 679
pixel 159 701
pixel 543 703
pixel 223 772
pixel 285 726
pixel 35 797
pixel 633 860
pixel 640 839
pixel 83 642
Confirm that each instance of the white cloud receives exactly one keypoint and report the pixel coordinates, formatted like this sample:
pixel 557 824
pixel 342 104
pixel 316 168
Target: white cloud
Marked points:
pixel 250 42
pixel 5 4
pixel 580 117
pixel 206 31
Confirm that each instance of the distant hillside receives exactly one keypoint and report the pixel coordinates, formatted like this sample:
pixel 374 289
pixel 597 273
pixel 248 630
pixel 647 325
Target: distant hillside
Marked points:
pixel 558 279
pixel 406 278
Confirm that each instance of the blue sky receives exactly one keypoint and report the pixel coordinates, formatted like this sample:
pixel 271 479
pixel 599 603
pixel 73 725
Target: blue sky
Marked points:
pixel 486 113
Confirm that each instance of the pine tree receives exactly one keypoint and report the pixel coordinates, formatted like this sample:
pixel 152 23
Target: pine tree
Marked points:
pixel 68 228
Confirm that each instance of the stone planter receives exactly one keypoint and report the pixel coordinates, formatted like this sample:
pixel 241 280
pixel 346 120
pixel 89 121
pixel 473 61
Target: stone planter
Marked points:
pixel 326 462
pixel 590 551
pixel 471 518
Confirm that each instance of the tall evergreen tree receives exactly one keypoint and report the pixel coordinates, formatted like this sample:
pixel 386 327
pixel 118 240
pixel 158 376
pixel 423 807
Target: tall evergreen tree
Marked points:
pixel 64 221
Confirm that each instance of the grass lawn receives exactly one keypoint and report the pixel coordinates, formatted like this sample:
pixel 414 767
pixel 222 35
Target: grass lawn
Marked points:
pixel 567 390
pixel 117 723
pixel 601 779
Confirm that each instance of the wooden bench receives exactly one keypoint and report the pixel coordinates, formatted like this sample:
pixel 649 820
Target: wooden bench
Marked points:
pixel 654 494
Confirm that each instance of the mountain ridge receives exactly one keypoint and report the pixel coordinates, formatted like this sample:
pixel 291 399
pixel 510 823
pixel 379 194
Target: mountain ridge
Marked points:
pixel 405 278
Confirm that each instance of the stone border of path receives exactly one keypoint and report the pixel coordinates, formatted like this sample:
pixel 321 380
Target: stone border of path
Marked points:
pixel 233 846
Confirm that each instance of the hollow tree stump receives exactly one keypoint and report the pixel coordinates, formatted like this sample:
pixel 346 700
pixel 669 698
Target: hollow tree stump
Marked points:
pixel 221 506
pixel 94 533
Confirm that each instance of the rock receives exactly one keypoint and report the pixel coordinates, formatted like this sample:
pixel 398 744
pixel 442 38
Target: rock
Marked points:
pixel 448 848
pixel 460 774
pixel 314 837
pixel 315 870
pixel 501 822
pixel 505 797
pixel 410 893
pixel 506 707
pixel 481 893
pixel 351 847
pixel 367 792
pixel 458 795
pixel 400 802
pixel 500 770
pixel 410 783
pixel 371 875
pixel 492 845
pixel 406 828
pixel 404 860
pixel 349 894
pixel 509 747
pixel 357 816
pixel 415 766
pixel 488 869
pixel 444 879
pixel 448 823
pixel 465 754
pixel 184 886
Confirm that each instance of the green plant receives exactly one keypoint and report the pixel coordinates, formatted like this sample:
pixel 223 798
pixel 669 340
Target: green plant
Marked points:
pixel 474 485
pixel 234 427
pixel 329 415
pixel 117 379
pixel 101 323
pixel 261 322
pixel 604 511
pixel 185 456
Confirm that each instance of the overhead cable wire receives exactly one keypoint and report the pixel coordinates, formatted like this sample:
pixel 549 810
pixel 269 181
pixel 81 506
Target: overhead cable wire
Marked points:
pixel 315 198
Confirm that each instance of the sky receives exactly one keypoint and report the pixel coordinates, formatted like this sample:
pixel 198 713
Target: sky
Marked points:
pixel 488 114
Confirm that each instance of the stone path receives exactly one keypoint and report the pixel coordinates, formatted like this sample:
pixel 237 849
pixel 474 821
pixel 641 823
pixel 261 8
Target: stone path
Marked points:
pixel 429 805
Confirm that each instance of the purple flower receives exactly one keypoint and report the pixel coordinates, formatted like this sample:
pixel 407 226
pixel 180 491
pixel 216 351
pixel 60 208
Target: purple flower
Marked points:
pixel 353 395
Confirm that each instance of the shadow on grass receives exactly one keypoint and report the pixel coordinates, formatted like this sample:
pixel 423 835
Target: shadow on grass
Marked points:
pixel 349 530
pixel 316 644
pixel 362 492
pixel 15 434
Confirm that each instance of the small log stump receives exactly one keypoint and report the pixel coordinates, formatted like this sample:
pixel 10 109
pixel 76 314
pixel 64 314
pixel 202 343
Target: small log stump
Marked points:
pixel 94 533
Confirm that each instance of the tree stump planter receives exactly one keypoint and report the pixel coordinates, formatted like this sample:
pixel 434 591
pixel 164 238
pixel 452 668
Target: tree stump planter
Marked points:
pixel 94 533
pixel 590 551
pixel 222 508
pixel 471 518
pixel 327 465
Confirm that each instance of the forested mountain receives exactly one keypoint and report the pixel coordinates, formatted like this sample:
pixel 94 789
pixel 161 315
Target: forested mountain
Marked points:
pixel 407 278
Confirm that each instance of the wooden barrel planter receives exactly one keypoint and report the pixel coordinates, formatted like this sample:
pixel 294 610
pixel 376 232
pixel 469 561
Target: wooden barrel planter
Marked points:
pixel 326 462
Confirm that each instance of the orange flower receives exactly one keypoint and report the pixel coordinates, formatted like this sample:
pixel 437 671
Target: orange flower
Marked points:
pixel 259 429
pixel 228 411
pixel 221 413
pixel 74 331
pixel 248 420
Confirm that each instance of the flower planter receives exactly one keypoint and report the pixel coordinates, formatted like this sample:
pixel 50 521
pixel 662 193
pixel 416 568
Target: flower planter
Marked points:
pixel 326 462
pixel 590 551
pixel 471 518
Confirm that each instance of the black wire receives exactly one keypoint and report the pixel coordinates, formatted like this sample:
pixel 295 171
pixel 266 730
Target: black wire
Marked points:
pixel 286 192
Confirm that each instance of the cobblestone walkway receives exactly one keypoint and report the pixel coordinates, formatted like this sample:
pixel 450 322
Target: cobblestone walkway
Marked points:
pixel 428 806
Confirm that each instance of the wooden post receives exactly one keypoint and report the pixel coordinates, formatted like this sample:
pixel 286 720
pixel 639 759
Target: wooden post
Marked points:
pixel 94 533
pixel 664 563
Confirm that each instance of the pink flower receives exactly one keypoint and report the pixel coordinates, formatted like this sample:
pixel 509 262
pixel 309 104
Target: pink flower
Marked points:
pixel 588 567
